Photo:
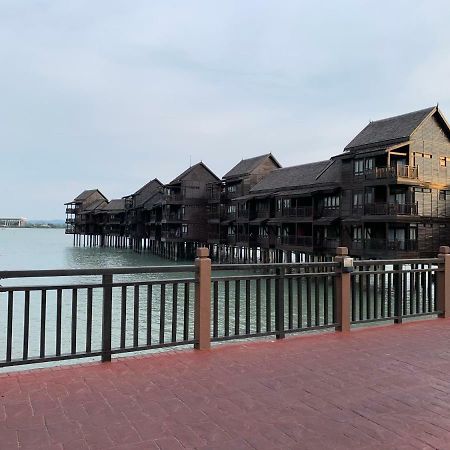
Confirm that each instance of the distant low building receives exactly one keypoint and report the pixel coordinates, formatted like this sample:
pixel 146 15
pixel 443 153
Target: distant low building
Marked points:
pixel 11 222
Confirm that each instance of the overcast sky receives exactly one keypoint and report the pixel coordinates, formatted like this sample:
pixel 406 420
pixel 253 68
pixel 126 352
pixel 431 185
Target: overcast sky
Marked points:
pixel 110 94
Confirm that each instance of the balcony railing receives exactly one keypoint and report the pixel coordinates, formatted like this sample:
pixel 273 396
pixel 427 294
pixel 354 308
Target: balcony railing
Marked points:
pixel 391 209
pixel 262 213
pixel 299 211
pixel 295 241
pixel 400 171
pixel 384 244
pixel 328 243
pixel 173 217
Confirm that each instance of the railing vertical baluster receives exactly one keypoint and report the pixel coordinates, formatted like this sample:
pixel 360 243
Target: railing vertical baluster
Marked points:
pixel 367 296
pixel 300 302
pixel 398 295
pixel 136 316
pixel 389 296
pixel 9 329
pixel 375 295
pixel 417 290
pixel 268 305
pixel 405 293
pixel 308 303
pixel 290 304
pixel 123 317
pixel 227 308
pixel 279 303
pixel 361 293
pixel 258 305
pixel 162 314
pixel 353 289
pixel 326 305
pixel 237 306
pixel 107 281
pixel 383 294
pixel 215 308
pixel 73 347
pixel 186 312
pixel 150 313
pixel 247 306
pixel 411 290
pixel 89 321
pixel 26 325
pixel 423 285
pixel 430 289
pixel 316 301
pixel 43 321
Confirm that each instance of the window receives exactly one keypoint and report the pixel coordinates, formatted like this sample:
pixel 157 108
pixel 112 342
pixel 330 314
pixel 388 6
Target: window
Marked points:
pixel 231 209
pixel 184 228
pixel 230 231
pixel 368 164
pixel 183 211
pixel 232 188
pixel 262 231
pixel 444 161
pixel 358 199
pixel 359 166
pixel 369 196
pixel 287 203
pixel 443 194
pixel 357 233
pixel 331 201
pixel 279 203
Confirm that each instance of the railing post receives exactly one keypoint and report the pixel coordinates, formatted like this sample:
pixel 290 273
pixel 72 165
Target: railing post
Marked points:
pixel 106 317
pixel 443 282
pixel 202 323
pixel 279 303
pixel 343 291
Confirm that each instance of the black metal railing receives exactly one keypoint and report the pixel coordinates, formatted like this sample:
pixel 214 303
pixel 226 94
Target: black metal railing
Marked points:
pixel 102 313
pixel 280 299
pixel 383 290
pixel 299 211
pixel 391 209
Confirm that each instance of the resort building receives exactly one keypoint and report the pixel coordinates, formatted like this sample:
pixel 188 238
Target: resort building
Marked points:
pixel 386 195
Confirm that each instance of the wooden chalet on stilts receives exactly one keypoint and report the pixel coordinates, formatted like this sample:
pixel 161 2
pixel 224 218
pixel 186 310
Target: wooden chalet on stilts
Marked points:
pixel 386 195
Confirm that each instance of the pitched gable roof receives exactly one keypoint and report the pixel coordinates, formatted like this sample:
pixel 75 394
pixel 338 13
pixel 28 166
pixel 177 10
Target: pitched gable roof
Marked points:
pixel 146 192
pixel 390 130
pixel 296 176
pixel 246 166
pixel 184 174
pixel 117 204
pixel 86 194
pixel 98 204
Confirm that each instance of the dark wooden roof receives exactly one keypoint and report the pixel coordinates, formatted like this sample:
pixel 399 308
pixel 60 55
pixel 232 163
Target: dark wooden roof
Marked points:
pixel 98 204
pixel 184 174
pixel 117 204
pixel 246 166
pixel 322 172
pixel 146 192
pixel 86 194
pixel 390 130
pixel 153 200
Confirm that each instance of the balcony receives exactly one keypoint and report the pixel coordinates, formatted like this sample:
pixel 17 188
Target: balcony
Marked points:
pixel 262 213
pixel 174 198
pixel 71 210
pixel 391 209
pixel 242 238
pixel 172 217
pixel 400 171
pixel 380 244
pixel 295 241
pixel 328 243
pixel 297 212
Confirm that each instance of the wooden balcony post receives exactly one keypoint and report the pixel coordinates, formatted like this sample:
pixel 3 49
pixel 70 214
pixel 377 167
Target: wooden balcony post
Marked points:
pixel 443 282
pixel 202 326
pixel 343 292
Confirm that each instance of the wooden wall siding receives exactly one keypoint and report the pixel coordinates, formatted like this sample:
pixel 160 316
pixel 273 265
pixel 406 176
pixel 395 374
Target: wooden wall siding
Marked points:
pixel 431 139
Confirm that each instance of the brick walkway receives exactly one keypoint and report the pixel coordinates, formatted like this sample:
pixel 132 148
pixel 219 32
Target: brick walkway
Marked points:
pixel 385 387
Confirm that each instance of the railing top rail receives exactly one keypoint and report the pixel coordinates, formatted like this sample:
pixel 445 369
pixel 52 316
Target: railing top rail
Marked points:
pixel 381 262
pixel 272 265
pixel 86 272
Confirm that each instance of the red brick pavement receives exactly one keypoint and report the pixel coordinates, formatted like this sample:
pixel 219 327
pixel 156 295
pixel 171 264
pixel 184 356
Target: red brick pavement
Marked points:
pixel 379 388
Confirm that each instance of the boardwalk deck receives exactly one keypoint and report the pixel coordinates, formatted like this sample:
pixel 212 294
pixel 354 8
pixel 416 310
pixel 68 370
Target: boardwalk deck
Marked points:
pixel 376 388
